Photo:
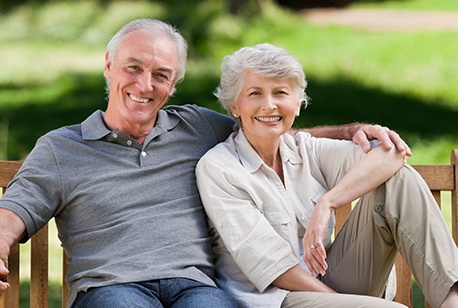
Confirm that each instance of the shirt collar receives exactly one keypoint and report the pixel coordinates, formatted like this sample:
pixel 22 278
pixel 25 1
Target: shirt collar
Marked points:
pixel 252 161
pixel 93 128
pixel 166 120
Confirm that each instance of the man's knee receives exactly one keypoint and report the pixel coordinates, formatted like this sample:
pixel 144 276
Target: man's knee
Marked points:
pixel 120 295
pixel 205 296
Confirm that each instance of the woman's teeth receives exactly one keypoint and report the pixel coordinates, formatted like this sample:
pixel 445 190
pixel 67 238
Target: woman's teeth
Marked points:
pixel 268 119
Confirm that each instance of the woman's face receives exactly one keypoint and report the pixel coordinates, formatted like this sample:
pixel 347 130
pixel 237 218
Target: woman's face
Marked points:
pixel 266 106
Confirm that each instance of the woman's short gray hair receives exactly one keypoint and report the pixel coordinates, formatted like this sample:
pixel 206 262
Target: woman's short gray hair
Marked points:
pixel 156 27
pixel 265 60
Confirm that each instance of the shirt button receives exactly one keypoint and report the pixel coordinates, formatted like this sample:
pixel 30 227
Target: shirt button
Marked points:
pixel 378 208
pixel 272 218
pixel 303 218
pixel 143 153
pixel 115 135
pixel 129 142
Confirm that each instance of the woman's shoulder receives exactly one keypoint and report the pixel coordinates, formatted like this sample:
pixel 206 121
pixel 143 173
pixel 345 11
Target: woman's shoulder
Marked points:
pixel 222 153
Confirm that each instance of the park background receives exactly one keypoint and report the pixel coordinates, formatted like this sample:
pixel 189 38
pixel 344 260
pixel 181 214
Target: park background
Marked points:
pixel 52 56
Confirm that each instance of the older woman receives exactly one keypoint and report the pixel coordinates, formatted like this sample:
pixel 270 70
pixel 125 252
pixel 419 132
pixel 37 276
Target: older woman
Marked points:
pixel 270 198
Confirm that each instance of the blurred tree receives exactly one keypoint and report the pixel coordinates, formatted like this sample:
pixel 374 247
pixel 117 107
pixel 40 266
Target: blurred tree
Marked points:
pixel 303 4
pixel 247 8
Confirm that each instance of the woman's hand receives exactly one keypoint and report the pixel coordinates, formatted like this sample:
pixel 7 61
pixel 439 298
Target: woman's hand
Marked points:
pixel 386 136
pixel 314 251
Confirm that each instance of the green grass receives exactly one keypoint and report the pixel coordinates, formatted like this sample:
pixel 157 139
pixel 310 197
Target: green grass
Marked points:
pixel 421 5
pixel 52 59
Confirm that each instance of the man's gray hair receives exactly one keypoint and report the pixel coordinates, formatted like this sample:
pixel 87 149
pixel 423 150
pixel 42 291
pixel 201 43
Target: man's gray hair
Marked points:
pixel 156 27
pixel 265 60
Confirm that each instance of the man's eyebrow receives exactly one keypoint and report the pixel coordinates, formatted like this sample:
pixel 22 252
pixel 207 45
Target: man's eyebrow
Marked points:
pixel 166 70
pixel 135 60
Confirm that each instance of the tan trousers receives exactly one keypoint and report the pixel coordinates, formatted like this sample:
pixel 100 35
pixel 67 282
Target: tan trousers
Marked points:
pixel 332 300
pixel 400 215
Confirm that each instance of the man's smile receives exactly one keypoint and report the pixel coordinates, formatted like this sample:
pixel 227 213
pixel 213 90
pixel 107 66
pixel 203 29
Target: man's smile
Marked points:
pixel 139 99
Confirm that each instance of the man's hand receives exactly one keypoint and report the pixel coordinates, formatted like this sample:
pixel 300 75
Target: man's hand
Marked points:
pixel 387 137
pixel 12 228
pixel 361 134
pixel 3 274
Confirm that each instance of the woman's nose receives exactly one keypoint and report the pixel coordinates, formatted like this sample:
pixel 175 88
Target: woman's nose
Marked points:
pixel 269 103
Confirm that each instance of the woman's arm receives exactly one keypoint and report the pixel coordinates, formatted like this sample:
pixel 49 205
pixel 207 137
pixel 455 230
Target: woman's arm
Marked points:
pixel 376 167
pixel 361 134
pixel 297 279
pixel 234 203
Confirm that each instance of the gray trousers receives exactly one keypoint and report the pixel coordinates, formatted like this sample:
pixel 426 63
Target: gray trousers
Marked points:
pixel 401 215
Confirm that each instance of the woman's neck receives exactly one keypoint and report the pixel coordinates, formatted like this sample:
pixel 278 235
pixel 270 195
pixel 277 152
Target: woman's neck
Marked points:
pixel 269 151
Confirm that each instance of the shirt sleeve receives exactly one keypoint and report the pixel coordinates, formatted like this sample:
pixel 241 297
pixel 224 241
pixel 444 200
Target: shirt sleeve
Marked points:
pixel 331 158
pixel 34 192
pixel 233 206
pixel 222 124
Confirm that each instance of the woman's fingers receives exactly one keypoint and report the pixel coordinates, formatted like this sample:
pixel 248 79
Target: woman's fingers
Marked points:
pixel 315 258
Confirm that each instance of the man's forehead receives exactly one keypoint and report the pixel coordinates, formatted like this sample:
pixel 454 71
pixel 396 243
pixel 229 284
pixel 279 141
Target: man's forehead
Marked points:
pixel 142 47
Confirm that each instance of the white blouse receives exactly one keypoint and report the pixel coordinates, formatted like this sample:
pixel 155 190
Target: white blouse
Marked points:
pixel 255 220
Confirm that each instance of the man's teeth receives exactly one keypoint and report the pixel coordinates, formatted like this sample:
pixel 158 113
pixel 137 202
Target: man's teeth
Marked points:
pixel 268 119
pixel 139 99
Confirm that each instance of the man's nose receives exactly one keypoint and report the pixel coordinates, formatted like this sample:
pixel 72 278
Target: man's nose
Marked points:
pixel 145 82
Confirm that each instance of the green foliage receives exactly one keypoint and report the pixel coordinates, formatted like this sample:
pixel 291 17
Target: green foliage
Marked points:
pixel 52 59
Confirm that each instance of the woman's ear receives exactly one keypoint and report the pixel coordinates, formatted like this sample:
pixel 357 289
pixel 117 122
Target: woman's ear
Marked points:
pixel 298 110
pixel 234 111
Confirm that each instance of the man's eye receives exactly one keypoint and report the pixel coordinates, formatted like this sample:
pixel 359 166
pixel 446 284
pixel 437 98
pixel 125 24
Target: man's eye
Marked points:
pixel 134 68
pixel 161 76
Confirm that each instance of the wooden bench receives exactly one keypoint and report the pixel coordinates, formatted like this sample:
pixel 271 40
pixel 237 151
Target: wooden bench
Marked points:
pixel 440 178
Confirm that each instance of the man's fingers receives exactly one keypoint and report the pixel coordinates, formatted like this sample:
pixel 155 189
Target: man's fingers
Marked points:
pixel 360 138
pixel 4 286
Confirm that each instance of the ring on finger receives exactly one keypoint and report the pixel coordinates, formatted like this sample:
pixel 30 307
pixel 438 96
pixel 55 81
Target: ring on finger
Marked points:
pixel 312 246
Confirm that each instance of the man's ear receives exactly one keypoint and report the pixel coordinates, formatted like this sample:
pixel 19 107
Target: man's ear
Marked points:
pixel 107 67
pixel 172 89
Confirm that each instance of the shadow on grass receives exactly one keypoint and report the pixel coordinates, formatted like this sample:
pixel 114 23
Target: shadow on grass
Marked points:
pixel 343 101
pixel 335 101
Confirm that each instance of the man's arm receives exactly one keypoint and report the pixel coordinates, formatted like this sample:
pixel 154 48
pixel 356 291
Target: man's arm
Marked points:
pixel 12 229
pixel 361 134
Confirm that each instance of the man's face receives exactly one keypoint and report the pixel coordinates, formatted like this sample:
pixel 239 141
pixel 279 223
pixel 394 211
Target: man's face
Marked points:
pixel 142 77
